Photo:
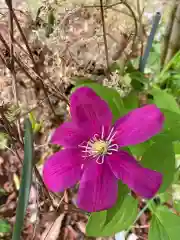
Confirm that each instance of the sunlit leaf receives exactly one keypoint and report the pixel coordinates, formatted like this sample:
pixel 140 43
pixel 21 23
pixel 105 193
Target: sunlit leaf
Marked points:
pixel 160 157
pixel 164 100
pixel 5 227
pixel 164 225
pixel 172 124
pixel 139 149
pixel 131 101
pixel 116 219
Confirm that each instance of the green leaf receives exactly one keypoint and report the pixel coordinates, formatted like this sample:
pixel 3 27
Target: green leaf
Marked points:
pixel 164 100
pixel 5 227
pixel 116 219
pixel 153 62
pixel 164 225
pixel 131 101
pixel 157 231
pixel 138 80
pixel 138 76
pixel 172 124
pixel 3 140
pixel 123 217
pixel 176 205
pixel 110 95
pixel 160 157
pixel 36 126
pixel 164 197
pixel 139 149
pixel 122 192
pixel 95 224
pixel 25 181
pixel 2 192
pixel 177 147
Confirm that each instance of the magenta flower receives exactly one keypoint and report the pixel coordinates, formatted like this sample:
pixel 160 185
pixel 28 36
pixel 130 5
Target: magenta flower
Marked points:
pixel 93 155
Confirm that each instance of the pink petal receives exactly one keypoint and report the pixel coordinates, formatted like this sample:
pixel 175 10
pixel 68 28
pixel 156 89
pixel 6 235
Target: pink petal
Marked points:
pixel 139 125
pixel 89 111
pixel 62 170
pixel 98 188
pixel 143 181
pixel 69 135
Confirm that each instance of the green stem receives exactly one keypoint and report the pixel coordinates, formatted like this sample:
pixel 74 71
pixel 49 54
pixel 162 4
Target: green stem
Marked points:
pixel 139 215
pixel 144 58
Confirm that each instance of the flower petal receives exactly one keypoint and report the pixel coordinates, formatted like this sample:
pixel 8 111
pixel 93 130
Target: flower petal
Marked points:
pixel 139 125
pixel 89 111
pixel 62 170
pixel 145 182
pixel 69 135
pixel 98 188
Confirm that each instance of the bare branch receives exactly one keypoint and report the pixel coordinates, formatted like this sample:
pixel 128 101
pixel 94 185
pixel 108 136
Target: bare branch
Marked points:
pixel 104 35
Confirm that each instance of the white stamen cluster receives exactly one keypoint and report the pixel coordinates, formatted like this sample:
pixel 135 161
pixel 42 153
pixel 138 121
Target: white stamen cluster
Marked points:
pixel 100 146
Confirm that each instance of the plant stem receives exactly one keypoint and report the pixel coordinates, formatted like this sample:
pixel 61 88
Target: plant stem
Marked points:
pixel 139 215
pixel 144 58
pixel 104 34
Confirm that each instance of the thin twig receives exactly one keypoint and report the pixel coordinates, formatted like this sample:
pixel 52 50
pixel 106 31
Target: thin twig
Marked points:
pixel 25 70
pixel 12 68
pixel 43 185
pixel 62 199
pixel 133 16
pixel 33 61
pixel 140 25
pixel 8 128
pixel 11 33
pixel 104 35
pixel 135 23
pixel 144 226
pixel 37 207
pixel 139 215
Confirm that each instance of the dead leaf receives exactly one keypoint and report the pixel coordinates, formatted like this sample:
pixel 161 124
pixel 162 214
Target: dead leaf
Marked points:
pixel 53 230
pixel 82 227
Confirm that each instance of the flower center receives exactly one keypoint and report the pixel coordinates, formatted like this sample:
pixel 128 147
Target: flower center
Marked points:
pixel 100 146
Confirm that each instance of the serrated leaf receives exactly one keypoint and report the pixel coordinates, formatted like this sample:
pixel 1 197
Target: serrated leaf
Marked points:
pixel 5 227
pixel 164 100
pixel 25 181
pixel 164 225
pixel 160 157
pixel 114 220
pixel 110 95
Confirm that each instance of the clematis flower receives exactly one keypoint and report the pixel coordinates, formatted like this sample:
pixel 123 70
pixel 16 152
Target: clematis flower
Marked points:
pixel 92 153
